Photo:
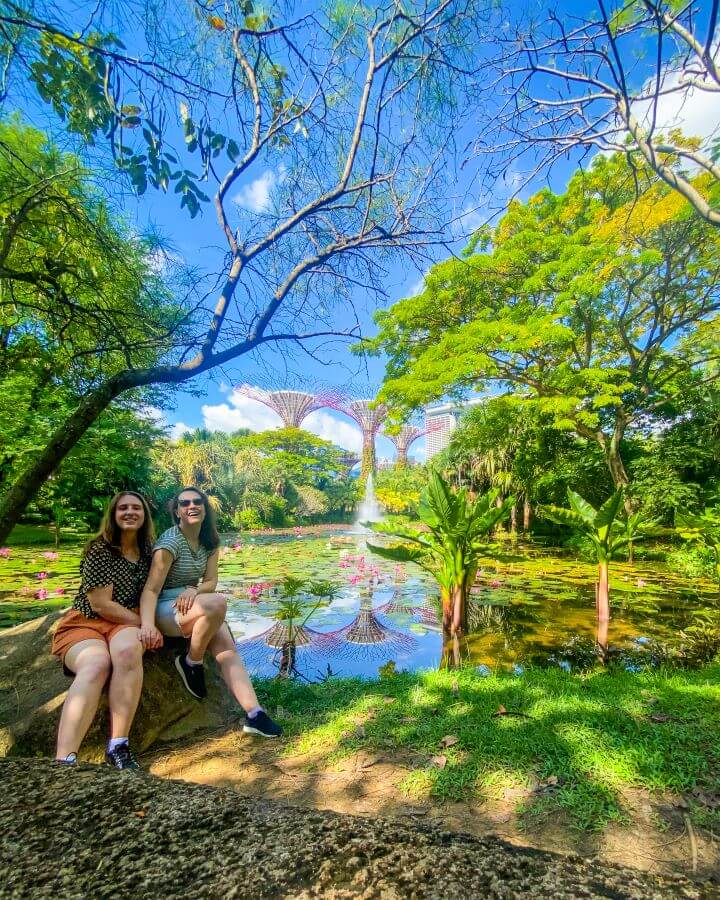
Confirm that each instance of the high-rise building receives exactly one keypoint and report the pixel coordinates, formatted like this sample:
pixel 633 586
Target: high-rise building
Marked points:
pixel 441 421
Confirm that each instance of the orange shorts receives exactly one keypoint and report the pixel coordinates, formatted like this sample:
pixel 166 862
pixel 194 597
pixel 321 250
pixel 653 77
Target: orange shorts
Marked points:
pixel 75 627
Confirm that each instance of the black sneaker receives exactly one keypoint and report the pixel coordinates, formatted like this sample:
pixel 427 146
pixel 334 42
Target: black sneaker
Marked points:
pixel 262 724
pixel 121 757
pixel 193 677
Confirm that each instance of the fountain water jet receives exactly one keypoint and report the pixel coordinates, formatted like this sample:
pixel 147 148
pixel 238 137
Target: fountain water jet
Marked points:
pixel 369 509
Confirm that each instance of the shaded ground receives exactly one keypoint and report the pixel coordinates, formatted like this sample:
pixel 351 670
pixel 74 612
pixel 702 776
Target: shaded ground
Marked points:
pixel 134 835
pixel 658 838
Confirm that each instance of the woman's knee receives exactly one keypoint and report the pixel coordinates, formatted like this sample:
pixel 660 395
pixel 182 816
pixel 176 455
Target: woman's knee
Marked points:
pixel 127 656
pixel 214 606
pixel 95 669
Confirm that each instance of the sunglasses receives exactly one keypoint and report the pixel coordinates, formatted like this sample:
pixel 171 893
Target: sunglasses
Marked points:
pixel 194 502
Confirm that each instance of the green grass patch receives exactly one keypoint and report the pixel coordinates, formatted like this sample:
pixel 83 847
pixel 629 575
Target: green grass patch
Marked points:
pixel 581 738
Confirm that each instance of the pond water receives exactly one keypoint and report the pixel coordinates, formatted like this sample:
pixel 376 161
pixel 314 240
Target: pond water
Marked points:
pixel 532 606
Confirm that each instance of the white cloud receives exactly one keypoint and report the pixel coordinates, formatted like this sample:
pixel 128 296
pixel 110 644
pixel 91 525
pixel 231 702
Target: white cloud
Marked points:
pixel 239 412
pixel 691 110
pixel 329 428
pixel 178 430
pixel 242 412
pixel 256 196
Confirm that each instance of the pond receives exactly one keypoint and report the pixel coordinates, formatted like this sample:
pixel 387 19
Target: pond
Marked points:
pixel 532 605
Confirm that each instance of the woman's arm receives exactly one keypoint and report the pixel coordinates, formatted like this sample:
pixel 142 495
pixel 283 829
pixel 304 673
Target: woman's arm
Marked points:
pixel 210 578
pixel 185 600
pixel 102 603
pixel 161 562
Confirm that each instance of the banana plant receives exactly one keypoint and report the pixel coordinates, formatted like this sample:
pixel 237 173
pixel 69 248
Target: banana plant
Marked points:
pixel 610 530
pixel 449 544
pixel 703 528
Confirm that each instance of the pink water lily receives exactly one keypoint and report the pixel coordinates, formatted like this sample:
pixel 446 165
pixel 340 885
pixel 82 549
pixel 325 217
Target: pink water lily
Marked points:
pixel 641 582
pixel 496 583
pixel 355 579
pixel 59 592
pixel 50 554
pixel 41 576
pixel 42 594
pixel 5 552
pixel 297 529
pixel 237 546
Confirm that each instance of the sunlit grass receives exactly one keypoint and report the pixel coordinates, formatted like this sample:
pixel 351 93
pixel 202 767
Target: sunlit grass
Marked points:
pixel 593 733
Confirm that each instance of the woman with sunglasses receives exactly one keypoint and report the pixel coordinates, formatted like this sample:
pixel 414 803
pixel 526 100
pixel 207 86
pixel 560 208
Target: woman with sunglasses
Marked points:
pixel 180 600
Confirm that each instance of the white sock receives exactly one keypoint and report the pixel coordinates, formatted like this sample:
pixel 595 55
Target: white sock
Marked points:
pixel 254 711
pixel 71 757
pixel 114 742
pixel 192 662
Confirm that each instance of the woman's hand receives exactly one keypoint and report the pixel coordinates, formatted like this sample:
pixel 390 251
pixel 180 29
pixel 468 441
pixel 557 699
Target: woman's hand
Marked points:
pixel 150 637
pixel 184 602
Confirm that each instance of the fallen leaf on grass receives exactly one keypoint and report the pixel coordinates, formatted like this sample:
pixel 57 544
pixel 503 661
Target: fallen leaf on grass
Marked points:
pixel 500 711
pixel 140 814
pixel 660 717
pixel 371 761
pixel 389 699
pixel 438 762
pixel 449 740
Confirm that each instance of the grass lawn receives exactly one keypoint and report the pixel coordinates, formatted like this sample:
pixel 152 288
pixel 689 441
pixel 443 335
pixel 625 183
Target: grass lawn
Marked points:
pixel 579 741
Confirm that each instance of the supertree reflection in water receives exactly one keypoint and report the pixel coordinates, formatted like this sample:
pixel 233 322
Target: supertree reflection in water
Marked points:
pixel 289 650
pixel 368 637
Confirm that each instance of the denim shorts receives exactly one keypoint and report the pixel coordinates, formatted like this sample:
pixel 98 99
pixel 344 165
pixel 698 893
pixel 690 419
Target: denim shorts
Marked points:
pixel 166 616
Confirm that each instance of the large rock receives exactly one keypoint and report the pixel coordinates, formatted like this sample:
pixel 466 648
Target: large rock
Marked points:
pixel 33 688
pixel 92 832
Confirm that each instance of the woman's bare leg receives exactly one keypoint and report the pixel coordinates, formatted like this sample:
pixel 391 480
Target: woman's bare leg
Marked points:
pixel 232 669
pixel 90 661
pixel 126 653
pixel 205 617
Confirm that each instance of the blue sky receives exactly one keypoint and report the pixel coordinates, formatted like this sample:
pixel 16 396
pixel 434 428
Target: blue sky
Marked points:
pixel 212 402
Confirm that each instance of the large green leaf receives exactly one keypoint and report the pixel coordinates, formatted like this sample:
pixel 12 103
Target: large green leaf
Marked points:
pixel 608 512
pixel 581 507
pixel 440 500
pixel 398 552
pixel 564 517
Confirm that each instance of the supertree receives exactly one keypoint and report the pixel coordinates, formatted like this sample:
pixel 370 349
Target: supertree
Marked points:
pixel 369 415
pixel 291 404
pixel 349 460
pixel 405 437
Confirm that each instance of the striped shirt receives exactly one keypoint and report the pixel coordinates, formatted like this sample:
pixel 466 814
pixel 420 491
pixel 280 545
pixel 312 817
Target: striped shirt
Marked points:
pixel 189 566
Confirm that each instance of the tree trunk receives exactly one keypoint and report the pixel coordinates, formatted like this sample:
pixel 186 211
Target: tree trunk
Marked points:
pixel 27 484
pixel 527 515
pixel 602 594
pixel 458 624
pixel 401 461
pixel 368 456
pixel 447 610
pixel 513 520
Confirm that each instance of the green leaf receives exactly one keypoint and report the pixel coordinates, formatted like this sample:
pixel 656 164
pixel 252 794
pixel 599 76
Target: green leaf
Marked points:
pixel 607 513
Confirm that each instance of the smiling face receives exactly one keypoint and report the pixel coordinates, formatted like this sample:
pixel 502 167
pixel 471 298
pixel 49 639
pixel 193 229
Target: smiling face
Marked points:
pixel 129 513
pixel 190 508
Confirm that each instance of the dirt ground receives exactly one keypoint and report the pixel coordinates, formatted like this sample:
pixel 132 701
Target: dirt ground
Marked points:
pixel 659 839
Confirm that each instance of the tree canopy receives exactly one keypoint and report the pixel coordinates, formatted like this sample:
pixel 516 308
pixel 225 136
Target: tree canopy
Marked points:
pixel 591 305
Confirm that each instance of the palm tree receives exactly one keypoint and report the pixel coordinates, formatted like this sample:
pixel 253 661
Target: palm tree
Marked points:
pixel 450 544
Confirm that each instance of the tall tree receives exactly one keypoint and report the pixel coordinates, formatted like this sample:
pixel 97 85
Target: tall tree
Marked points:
pixel 345 114
pixel 620 76
pixel 588 304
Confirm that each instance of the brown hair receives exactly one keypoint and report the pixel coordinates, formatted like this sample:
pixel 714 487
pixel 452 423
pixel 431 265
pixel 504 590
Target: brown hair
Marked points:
pixel 208 537
pixel 109 532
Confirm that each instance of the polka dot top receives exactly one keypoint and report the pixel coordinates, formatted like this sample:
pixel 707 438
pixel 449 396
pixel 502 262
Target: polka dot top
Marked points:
pixel 102 566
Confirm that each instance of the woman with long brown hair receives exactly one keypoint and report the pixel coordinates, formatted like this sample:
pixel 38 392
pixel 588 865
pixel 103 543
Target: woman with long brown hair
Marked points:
pixel 181 599
pixel 99 636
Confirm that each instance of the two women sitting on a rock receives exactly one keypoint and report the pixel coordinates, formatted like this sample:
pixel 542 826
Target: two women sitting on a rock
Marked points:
pixel 131 594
